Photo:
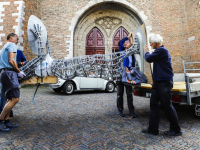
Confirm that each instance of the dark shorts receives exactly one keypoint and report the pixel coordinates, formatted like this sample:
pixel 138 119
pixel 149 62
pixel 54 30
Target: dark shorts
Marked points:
pixel 13 93
pixel 10 84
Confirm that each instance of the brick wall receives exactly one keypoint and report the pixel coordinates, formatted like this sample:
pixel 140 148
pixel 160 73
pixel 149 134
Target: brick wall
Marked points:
pixel 177 21
pixel 31 8
pixel 193 36
pixel 14 15
pixel 171 20
pixel 9 18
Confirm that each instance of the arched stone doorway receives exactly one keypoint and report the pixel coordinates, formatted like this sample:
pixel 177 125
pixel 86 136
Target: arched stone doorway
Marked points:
pixel 118 35
pixel 95 42
pixel 107 17
pixel 123 6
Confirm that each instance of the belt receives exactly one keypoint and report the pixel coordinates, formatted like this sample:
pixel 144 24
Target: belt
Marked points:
pixel 158 81
pixel 7 69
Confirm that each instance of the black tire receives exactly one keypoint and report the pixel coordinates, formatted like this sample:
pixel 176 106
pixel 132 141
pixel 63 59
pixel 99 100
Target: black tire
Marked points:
pixel 68 88
pixel 110 87
pixel 58 89
pixel 176 104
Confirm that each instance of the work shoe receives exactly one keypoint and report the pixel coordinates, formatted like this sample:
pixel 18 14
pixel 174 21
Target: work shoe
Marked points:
pixel 3 128
pixel 120 113
pixel 11 125
pixel 132 115
pixel 173 133
pixel 147 131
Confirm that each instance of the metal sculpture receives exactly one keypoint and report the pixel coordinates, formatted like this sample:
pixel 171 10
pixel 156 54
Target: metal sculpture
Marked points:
pixel 106 66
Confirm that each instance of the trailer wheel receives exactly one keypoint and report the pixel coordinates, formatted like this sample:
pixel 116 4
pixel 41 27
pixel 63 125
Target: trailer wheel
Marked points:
pixel 197 109
pixel 176 104
pixel 197 106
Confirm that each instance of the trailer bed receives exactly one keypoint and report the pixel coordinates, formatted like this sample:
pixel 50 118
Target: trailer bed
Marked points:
pixel 177 87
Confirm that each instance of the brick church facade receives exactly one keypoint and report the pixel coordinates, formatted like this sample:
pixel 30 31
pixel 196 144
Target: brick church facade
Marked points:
pixel 80 27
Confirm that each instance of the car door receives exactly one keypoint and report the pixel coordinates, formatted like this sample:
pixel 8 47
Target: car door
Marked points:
pixel 100 83
pixel 88 83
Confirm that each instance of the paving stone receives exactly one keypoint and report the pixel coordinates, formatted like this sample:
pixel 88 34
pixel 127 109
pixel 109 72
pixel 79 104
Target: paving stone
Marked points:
pixel 53 123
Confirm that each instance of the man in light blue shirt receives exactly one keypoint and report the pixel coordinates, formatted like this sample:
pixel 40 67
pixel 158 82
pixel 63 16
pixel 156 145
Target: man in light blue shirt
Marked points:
pixel 20 59
pixel 8 47
pixel 9 79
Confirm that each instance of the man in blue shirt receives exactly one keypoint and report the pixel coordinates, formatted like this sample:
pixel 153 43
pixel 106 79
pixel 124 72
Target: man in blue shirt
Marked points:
pixel 20 58
pixel 127 62
pixel 162 87
pixel 9 79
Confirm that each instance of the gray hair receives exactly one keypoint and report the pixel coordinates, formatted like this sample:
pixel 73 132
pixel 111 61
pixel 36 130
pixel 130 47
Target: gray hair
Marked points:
pixel 156 38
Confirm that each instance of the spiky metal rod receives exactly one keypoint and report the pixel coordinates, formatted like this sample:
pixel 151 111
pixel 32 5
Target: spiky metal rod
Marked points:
pixel 29 68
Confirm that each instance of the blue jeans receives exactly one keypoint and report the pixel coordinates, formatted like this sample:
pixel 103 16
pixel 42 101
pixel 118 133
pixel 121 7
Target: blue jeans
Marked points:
pixel 2 98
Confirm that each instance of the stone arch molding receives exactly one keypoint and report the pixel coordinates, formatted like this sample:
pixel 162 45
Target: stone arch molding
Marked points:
pixel 107 25
pixel 79 13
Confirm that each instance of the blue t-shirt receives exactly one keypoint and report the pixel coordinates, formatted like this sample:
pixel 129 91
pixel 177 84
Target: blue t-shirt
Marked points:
pixel 20 56
pixel 8 47
pixel 128 62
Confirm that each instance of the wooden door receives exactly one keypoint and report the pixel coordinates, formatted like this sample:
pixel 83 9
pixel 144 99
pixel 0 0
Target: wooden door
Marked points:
pixel 119 34
pixel 95 42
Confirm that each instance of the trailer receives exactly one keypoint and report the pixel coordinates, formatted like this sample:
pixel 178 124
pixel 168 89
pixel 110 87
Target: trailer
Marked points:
pixel 185 91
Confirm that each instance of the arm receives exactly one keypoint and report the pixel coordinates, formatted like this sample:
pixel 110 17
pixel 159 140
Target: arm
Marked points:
pixel 153 57
pixel 121 43
pixel 11 60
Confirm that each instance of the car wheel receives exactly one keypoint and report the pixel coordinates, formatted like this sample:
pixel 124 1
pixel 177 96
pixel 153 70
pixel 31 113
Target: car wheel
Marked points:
pixel 110 87
pixel 58 89
pixel 68 88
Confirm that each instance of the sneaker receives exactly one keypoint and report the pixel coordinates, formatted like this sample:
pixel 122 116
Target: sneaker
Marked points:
pixel 147 131
pixel 120 113
pixel 132 115
pixel 11 125
pixel 3 128
pixel 173 133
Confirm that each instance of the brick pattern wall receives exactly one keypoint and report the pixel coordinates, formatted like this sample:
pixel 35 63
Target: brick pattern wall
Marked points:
pixel 193 36
pixel 176 21
pixel 2 15
pixel 8 23
pixel 169 19
pixel 57 17
pixel 32 7
pixel 19 22
pixel 14 15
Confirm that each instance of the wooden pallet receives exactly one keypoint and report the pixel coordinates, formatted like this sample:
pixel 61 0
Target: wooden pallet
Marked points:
pixel 35 80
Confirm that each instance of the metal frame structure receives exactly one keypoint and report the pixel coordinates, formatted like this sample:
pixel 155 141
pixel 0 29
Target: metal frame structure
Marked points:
pixel 107 66
pixel 188 79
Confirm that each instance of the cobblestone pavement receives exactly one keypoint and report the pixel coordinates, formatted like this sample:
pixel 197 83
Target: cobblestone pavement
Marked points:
pixel 88 120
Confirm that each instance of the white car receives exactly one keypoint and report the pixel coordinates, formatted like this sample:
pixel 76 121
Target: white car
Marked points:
pixel 83 83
